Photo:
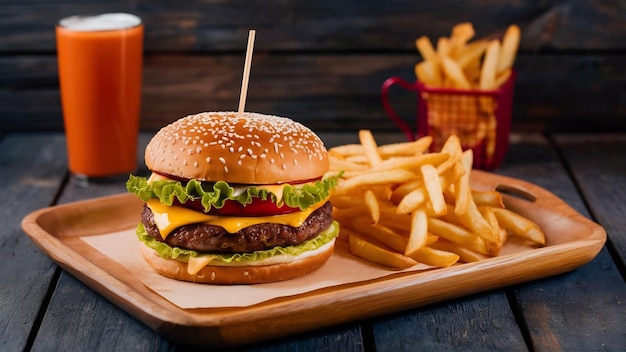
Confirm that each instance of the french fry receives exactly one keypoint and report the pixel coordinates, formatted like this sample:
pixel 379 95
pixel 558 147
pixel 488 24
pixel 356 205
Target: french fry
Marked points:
pixel 461 34
pixel 452 146
pixel 425 48
pixel 435 257
pixel 375 178
pixel 520 226
pixel 345 201
pixel 347 150
pixel 474 221
pixel 462 190
pixel 378 232
pixel 416 147
pixel 433 189
pixel 454 72
pixel 419 232
pixel 470 56
pixel 377 254
pixel 371 202
pixel 488 198
pixel 429 73
pixel 411 163
pixel 465 255
pixel 413 200
pixel 351 212
pixel 457 234
pixel 460 63
pixel 415 206
pixel 370 146
pixel 490 66
pixel 489 216
pixel 443 47
pixel 510 43
pixel 503 76
pixel 391 218
pixel 341 164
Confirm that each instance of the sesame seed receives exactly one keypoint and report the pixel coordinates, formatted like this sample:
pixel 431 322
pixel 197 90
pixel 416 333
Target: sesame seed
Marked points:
pixel 206 130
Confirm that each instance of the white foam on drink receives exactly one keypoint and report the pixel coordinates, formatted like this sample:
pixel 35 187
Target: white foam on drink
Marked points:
pixel 103 22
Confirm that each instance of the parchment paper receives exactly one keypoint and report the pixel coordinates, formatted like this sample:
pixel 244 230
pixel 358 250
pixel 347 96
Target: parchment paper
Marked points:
pixel 342 268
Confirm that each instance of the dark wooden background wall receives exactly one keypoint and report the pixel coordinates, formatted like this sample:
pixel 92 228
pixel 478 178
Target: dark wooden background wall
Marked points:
pixel 323 62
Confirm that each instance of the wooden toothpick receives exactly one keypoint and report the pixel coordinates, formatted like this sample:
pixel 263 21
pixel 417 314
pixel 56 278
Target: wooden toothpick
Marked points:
pixel 246 72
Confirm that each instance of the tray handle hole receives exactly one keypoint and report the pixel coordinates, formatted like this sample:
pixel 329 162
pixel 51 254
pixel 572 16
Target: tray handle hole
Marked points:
pixel 516 192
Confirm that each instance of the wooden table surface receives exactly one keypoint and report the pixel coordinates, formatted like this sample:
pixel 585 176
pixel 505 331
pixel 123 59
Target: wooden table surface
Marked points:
pixel 43 308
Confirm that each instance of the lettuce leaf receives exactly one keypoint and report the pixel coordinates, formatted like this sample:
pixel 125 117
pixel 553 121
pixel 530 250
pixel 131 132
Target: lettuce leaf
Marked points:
pixel 215 194
pixel 181 254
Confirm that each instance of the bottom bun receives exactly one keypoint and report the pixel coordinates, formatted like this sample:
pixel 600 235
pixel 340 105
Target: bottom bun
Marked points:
pixel 228 275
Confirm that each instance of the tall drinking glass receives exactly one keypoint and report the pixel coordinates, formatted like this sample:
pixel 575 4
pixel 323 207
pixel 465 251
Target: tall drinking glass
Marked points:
pixel 100 69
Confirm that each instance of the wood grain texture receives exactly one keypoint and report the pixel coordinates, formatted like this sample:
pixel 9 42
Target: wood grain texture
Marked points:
pixel 212 25
pixel 323 62
pixel 599 166
pixel 326 92
pixel 482 322
pixel 557 305
pixel 32 168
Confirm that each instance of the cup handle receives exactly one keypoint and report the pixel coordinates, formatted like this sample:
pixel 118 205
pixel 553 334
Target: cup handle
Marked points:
pixel 410 134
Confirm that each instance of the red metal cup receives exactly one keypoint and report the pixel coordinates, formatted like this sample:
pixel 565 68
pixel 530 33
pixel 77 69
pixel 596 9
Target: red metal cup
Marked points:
pixel 481 118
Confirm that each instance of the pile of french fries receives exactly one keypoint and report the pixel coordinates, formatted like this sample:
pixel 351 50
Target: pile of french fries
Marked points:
pixel 459 63
pixel 399 205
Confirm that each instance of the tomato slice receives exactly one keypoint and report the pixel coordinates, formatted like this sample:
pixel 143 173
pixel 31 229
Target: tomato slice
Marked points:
pixel 258 207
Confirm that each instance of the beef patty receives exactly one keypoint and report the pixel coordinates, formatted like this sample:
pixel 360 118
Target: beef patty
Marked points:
pixel 210 238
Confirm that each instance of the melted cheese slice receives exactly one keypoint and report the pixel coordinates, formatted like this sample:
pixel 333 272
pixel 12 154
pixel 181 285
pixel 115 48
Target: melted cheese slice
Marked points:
pixel 169 218
pixel 195 264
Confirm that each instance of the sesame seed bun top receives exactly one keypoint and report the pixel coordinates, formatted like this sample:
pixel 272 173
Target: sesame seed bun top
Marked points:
pixel 253 149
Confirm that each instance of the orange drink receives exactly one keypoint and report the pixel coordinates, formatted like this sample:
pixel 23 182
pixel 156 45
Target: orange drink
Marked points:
pixel 100 69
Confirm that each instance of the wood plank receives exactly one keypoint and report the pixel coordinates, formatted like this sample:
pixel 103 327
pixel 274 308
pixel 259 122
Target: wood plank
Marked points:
pixel 598 163
pixel 80 319
pixel 326 92
pixel 208 26
pixel 580 310
pixel 482 322
pixel 32 168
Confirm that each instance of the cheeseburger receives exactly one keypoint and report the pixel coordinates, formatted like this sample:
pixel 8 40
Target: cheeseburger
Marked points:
pixel 235 200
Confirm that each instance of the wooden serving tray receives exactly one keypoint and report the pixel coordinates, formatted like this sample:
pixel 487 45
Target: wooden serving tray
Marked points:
pixel 572 240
